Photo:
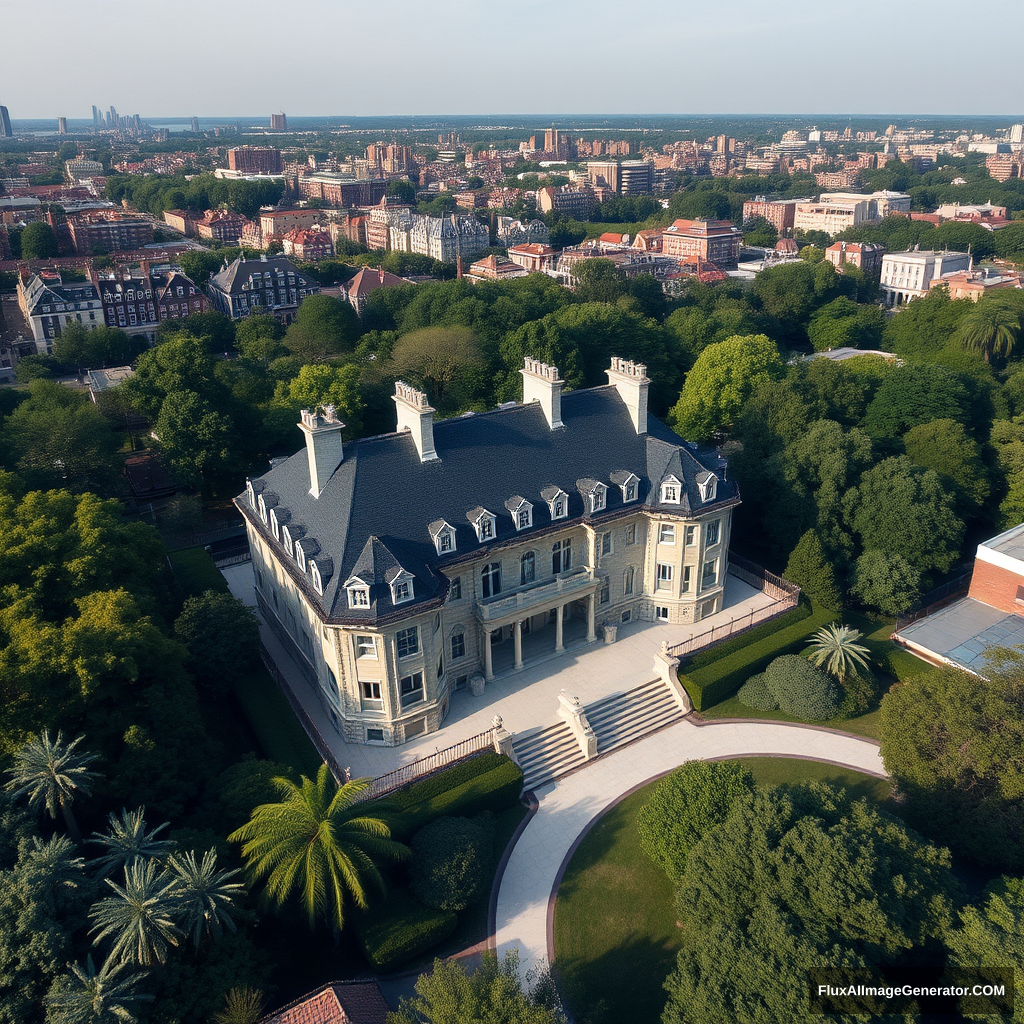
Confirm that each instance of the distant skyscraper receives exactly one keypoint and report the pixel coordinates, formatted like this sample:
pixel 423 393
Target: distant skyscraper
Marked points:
pixel 62 126
pixel 97 120
pixel 1017 133
pixel 6 131
pixel 113 116
pixel 195 124
pixel 279 122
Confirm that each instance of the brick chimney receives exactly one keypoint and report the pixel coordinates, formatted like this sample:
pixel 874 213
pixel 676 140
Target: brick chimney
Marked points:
pixel 324 448
pixel 416 416
pixel 631 382
pixel 541 383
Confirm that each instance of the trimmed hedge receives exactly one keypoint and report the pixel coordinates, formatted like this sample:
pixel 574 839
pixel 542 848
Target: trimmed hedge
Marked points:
pixel 493 790
pixel 451 864
pixel 737 643
pixel 714 682
pixel 756 694
pixel 448 778
pixel 802 689
pixel 904 665
pixel 401 928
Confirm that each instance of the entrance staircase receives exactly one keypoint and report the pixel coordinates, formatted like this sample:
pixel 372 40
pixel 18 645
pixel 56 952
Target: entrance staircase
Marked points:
pixel 623 718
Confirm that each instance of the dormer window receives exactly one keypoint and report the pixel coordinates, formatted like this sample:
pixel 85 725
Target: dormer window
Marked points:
pixel 300 557
pixel 671 489
pixel 629 484
pixel 521 511
pixel 558 502
pixel 483 522
pixel 443 535
pixel 401 583
pixel 598 498
pixel 286 539
pixel 262 508
pixel 250 493
pixel 358 592
pixel 708 487
pixel 275 528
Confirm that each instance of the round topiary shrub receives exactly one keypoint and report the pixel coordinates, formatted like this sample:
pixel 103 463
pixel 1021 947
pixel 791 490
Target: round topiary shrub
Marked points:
pixel 755 694
pixel 802 690
pixel 451 863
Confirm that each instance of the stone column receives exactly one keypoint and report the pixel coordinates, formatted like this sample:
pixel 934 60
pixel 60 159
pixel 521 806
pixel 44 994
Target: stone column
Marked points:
pixel 517 632
pixel 559 615
pixel 591 603
pixel 488 666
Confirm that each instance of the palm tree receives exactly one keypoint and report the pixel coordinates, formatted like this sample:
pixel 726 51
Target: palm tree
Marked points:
pixel 836 647
pixel 57 864
pixel 315 845
pixel 88 996
pixel 241 1006
pixel 139 917
pixel 203 895
pixel 53 773
pixel 127 841
pixel 990 330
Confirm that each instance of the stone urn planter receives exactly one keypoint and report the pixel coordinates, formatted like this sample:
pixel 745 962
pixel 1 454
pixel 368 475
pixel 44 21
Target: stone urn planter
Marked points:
pixel 610 632
pixel 477 685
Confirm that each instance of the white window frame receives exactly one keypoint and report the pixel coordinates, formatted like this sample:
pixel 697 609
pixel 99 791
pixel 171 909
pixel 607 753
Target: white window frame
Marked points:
pixel 461 637
pixel 599 498
pixel 366 646
pixel 300 557
pixel 704 585
pixel 687 573
pixel 714 527
pixel 444 540
pixel 358 597
pixel 664 574
pixel 630 533
pixel 262 508
pixel 485 527
pixel 415 689
pixel 671 491
pixel 691 537
pixel 666 533
pixel 314 572
pixel 561 498
pixel 660 613
pixel 606 544
pixel 708 488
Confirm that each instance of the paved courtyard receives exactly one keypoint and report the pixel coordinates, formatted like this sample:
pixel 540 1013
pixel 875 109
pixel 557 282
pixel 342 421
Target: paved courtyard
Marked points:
pixel 526 700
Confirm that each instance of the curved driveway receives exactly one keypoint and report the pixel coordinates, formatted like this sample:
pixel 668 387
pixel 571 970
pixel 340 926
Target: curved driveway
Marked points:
pixel 527 887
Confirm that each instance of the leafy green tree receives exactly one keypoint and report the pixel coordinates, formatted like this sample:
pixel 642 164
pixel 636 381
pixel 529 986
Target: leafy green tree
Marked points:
pixel 760 232
pixel 945 446
pixel 258 337
pixel 991 330
pixel 886 581
pixel 492 994
pixel 842 323
pixel 835 646
pixel 451 865
pixel 926 325
pixel 140 917
pixel 722 379
pixel 1007 440
pixel 797 878
pixel 597 280
pixel 323 327
pixel 213 328
pixel 52 774
pixel 811 254
pixel 43 898
pixel 990 940
pixel 128 841
pixel 200 264
pixel 203 896
pixel 38 242
pixel 314 845
pixel 901 508
pixel 196 439
pixel 88 996
pixel 222 636
pixel 402 189
pixel 809 568
pixel 58 438
pixel 87 348
pixel 449 363
pixel 684 806
pixel 801 690
pixel 791 292
pixel 950 740
pixel 914 394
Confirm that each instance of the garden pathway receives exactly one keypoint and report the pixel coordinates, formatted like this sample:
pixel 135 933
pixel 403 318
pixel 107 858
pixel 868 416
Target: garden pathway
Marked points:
pixel 527 888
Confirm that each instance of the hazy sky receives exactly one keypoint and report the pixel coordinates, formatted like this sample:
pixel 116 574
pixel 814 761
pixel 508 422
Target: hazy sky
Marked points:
pixel 320 57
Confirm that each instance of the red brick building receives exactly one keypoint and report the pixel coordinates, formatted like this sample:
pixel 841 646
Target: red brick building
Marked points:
pixel 865 255
pixel 136 299
pixel 533 257
pixel 104 232
pixel 778 212
pixel 715 240
pixel 308 244
pixel 222 225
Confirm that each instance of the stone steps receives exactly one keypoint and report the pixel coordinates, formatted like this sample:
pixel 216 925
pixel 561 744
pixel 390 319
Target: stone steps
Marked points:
pixel 623 718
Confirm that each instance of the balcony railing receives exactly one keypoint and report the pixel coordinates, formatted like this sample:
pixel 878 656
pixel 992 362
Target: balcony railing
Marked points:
pixel 543 593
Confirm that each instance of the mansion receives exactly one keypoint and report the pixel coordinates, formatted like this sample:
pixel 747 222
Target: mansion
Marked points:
pixel 393 566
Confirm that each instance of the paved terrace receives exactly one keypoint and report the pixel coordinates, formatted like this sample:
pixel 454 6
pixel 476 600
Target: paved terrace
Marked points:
pixel 526 700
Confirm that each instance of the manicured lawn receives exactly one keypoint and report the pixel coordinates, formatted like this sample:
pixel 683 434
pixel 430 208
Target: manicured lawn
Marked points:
pixel 194 572
pixel 270 716
pixel 615 923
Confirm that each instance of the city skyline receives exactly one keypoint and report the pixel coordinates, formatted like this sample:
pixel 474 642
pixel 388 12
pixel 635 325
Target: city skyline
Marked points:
pixel 585 58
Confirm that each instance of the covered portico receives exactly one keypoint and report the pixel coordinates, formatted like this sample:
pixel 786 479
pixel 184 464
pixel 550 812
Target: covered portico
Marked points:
pixel 547 599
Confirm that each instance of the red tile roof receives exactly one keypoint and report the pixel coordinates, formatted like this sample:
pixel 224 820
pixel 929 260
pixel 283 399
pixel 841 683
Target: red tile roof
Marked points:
pixel 339 1003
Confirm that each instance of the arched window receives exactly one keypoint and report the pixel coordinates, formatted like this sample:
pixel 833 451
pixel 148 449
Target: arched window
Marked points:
pixel 527 568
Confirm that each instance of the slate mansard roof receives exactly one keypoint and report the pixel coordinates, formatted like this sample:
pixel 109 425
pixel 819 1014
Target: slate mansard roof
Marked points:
pixel 379 509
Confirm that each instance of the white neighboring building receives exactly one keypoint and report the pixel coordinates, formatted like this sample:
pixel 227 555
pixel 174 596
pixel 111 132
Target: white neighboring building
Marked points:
pixel 49 304
pixel 836 211
pixel 909 275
